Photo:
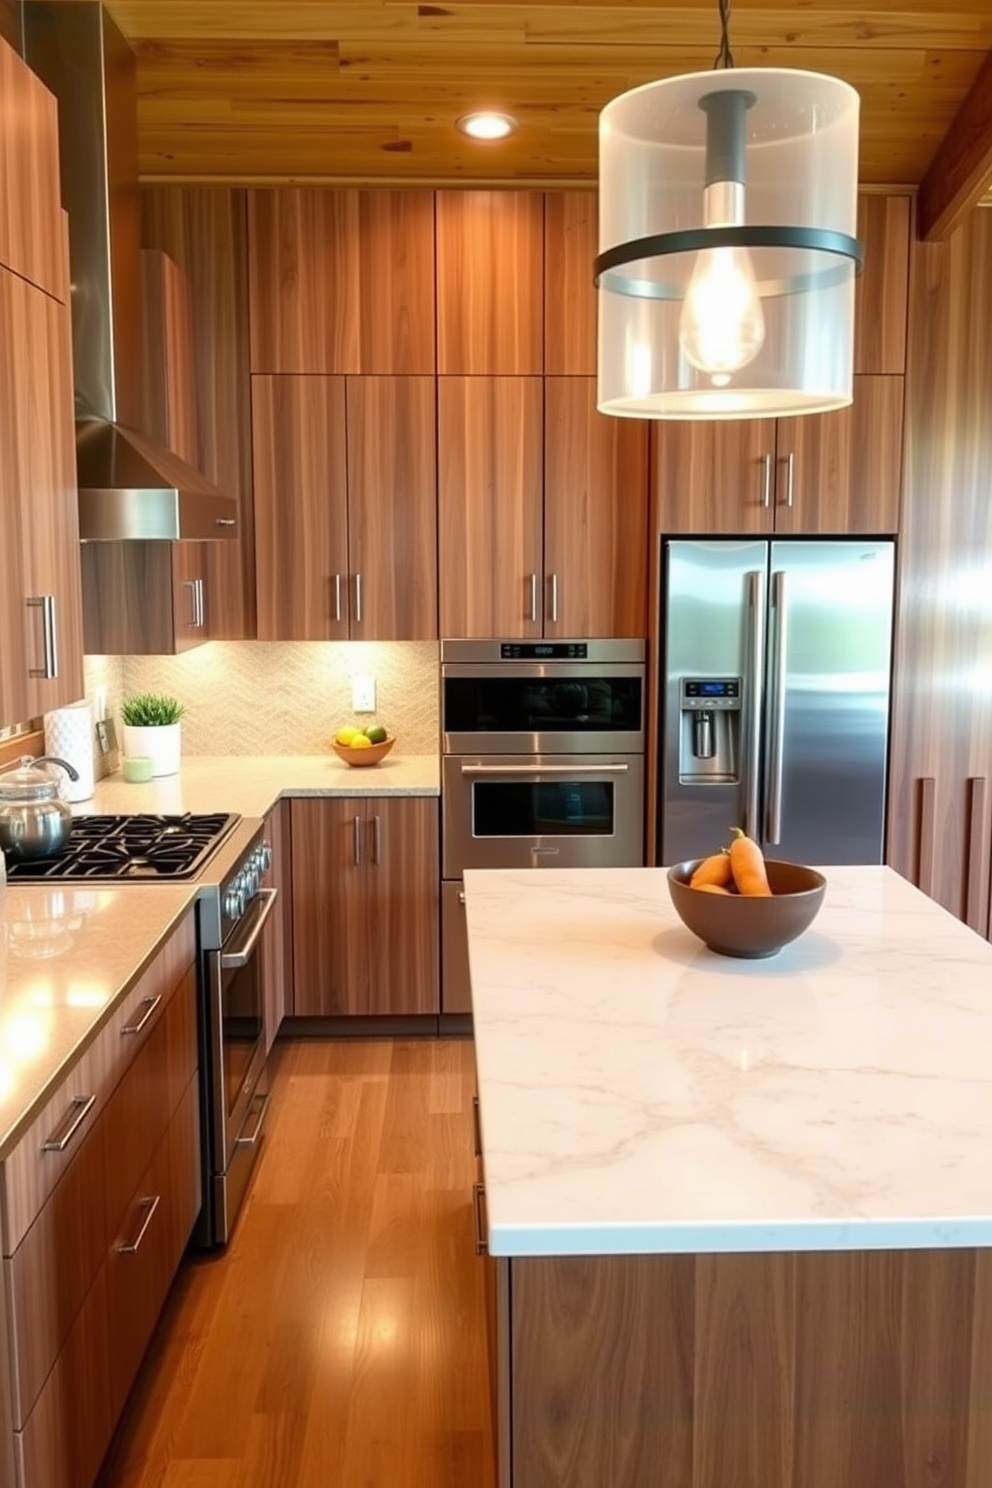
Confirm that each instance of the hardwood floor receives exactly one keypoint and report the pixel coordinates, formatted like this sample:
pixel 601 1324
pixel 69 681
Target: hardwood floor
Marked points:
pixel 339 1342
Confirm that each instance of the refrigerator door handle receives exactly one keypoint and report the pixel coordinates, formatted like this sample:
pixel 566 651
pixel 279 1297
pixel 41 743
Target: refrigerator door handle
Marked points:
pixel 753 690
pixel 776 728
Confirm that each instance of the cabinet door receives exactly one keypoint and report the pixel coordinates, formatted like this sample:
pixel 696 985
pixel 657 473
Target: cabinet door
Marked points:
pixel 14 616
pixel 841 472
pixel 490 505
pixel 713 477
pixel 392 508
pixel 595 515
pixel 301 523
pixel 31 238
pixel 490 282
pixel 341 281
pixel 330 920
pixel 404 908
pixel 571 242
pixel 277 944
pixel 882 292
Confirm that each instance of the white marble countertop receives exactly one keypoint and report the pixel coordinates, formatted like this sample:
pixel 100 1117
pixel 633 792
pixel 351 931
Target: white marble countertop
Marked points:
pixel 639 1093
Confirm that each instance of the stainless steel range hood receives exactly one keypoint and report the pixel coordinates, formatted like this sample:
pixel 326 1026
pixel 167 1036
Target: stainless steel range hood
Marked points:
pixel 129 487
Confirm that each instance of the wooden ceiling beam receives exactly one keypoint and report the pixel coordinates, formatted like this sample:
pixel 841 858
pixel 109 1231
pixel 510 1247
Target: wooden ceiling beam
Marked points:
pixel 961 170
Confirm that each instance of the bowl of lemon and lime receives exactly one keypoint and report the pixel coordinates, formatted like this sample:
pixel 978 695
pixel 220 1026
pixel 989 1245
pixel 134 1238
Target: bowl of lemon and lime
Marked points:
pixel 365 746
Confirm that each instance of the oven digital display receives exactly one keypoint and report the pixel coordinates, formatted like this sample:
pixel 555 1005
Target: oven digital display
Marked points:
pixel 543 651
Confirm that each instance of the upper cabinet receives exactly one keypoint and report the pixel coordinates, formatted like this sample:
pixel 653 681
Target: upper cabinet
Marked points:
pixel 490 282
pixel 882 292
pixel 345 508
pixel 341 281
pixel 31 230
pixel 571 242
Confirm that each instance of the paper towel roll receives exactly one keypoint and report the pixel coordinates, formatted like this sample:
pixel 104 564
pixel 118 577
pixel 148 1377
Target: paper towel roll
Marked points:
pixel 69 734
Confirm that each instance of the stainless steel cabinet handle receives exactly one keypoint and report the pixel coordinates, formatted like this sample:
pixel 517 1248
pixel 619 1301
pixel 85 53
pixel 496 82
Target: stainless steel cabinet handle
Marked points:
pixel 790 461
pixel 190 584
pixel 357 845
pixel 253 1140
pixel 752 694
pixel 337 597
pixel 234 960
pixel 79 1108
pixel 476 1126
pixel 377 840
pixel 554 598
pixel 358 599
pixel 776 729
pixel 149 1004
pixel 461 896
pixel 533 598
pixel 50 665
pixel 535 770
pixel 201 609
pixel 225 521
pixel 766 484
pixel 478 1204
pixel 149 1205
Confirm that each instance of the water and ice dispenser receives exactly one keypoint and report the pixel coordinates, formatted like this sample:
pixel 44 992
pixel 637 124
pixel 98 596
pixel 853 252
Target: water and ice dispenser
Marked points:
pixel 710 731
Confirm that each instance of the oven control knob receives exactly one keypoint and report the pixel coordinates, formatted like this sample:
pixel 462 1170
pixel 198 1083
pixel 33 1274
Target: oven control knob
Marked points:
pixel 265 856
pixel 234 902
pixel 251 880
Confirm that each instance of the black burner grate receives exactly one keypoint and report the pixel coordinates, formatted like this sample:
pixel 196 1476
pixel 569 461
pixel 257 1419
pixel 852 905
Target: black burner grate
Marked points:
pixel 108 848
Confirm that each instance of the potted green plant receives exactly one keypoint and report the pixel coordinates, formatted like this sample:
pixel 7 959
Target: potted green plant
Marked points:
pixel 152 730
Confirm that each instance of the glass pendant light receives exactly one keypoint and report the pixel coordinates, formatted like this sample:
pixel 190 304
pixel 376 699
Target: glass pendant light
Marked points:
pixel 728 206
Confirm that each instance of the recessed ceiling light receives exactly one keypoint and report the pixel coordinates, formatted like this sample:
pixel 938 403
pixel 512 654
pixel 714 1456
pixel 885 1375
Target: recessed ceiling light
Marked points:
pixel 486 126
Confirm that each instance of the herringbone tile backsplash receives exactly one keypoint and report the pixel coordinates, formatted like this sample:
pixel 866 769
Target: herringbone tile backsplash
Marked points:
pixel 259 697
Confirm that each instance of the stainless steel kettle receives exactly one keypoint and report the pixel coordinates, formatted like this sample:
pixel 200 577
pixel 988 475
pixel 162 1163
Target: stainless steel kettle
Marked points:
pixel 34 822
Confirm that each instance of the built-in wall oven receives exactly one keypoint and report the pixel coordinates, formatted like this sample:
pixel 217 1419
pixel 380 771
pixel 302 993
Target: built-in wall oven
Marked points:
pixel 542 766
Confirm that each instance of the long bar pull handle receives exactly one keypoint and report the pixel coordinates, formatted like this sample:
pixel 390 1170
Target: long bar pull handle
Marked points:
pixel 201 609
pixel 752 697
pixel 235 960
pixel 358 599
pixel 790 461
pixel 79 1108
pixel 977 901
pixel 478 1205
pixel 357 846
pixel 256 1135
pixel 377 840
pixel 554 599
pixel 49 668
pixel 533 598
pixel 190 584
pixel 149 1205
pixel 766 481
pixel 337 597
pixel 476 1127
pixel 535 770
pixel 776 728
pixel 149 1004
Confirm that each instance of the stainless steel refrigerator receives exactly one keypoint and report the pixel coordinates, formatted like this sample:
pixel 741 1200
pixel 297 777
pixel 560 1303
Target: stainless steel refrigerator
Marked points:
pixel 775 680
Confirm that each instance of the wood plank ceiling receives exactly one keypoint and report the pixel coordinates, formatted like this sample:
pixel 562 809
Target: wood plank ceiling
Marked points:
pixel 368 90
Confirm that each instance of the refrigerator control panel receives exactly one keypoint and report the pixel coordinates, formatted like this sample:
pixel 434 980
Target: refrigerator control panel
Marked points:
pixel 711 692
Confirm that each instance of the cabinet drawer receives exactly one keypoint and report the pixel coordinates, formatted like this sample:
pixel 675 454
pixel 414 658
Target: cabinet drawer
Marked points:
pixel 149 1243
pixel 31 1171
pixel 69 1429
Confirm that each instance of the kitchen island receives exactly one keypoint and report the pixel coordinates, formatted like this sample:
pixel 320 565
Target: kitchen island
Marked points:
pixel 741 1211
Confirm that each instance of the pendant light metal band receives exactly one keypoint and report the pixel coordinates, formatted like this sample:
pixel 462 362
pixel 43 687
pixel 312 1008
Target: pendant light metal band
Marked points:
pixel 697 239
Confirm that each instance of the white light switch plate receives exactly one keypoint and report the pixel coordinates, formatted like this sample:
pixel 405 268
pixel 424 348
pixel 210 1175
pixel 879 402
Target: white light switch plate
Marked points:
pixel 362 693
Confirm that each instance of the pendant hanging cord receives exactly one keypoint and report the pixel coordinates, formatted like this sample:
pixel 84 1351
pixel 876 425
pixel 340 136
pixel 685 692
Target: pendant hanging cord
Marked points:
pixel 724 57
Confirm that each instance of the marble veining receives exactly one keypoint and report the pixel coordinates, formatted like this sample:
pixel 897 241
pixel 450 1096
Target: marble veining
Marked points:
pixel 639 1093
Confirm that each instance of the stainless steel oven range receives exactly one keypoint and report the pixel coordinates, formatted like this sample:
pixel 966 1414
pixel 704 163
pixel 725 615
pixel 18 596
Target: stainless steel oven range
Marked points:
pixel 542 767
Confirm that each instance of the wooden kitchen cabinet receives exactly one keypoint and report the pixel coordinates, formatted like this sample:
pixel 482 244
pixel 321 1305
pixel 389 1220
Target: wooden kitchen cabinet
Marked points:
pixel 341 281
pixel 881 294
pixel 490 282
pixel 41 646
pixel 826 473
pixel 31 234
pixel 277 945
pixel 345 501
pixel 365 906
pixel 94 1227
pixel 571 242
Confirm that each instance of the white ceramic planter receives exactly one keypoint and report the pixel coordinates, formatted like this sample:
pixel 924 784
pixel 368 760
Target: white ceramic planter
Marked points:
pixel 161 744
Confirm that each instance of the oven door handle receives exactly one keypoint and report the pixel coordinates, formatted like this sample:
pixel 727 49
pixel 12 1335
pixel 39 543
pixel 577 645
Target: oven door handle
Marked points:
pixel 583 769
pixel 234 960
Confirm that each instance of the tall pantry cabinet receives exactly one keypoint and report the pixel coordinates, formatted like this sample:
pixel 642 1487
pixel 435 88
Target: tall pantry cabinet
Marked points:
pixel 41 660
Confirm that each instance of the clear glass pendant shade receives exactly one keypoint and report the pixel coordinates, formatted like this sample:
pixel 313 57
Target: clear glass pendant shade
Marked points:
pixel 742 303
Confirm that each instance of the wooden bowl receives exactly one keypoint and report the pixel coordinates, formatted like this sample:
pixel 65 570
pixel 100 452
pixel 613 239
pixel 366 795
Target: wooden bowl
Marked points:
pixel 370 756
pixel 739 925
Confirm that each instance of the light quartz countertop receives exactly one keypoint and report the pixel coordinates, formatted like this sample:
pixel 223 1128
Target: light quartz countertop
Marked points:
pixel 641 1094
pixel 69 954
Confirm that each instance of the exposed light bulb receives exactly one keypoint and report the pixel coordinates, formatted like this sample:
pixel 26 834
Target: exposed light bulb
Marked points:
pixel 722 325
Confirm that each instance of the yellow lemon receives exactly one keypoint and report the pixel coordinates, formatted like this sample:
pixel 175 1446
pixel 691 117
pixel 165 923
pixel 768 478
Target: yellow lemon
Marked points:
pixel 345 735
pixel 360 742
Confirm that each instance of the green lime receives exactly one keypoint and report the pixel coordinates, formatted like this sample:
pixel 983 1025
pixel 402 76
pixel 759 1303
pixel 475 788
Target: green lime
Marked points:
pixel 375 733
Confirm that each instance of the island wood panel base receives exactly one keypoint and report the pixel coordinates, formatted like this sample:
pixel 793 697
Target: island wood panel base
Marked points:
pixel 815 1370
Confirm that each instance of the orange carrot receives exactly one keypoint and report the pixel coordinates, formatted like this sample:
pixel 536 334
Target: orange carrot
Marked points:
pixel 711 888
pixel 748 866
pixel 713 870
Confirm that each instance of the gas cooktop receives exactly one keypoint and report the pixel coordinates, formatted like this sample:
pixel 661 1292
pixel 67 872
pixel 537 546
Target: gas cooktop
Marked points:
pixel 105 849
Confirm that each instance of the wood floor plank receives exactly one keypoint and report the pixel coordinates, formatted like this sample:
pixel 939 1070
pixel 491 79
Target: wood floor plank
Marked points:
pixel 339 1342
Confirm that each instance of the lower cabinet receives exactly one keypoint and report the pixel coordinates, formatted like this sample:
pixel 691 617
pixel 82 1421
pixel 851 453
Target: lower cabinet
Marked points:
pixel 99 1200
pixel 277 947
pixel 365 905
